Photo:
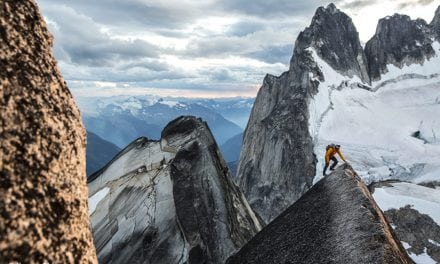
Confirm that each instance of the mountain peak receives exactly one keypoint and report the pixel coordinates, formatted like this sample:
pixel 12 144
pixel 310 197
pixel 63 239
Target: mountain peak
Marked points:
pixel 334 37
pixel 181 126
pixel 395 20
pixel 437 14
pixel 322 14
pixel 398 41
pixel 435 23
pixel 176 197
pixel 332 8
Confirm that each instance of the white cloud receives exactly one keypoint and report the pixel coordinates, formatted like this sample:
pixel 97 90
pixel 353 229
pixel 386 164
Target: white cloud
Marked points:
pixel 192 45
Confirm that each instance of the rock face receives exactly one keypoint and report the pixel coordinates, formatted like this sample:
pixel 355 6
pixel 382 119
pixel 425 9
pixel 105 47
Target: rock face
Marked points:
pixel 413 211
pixel 336 221
pixel 418 230
pixel 169 201
pixel 334 37
pixel 435 23
pixel 399 41
pixel 277 162
pixel 43 192
pixel 298 113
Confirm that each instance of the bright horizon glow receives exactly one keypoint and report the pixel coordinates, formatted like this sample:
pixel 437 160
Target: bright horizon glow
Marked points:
pixel 104 89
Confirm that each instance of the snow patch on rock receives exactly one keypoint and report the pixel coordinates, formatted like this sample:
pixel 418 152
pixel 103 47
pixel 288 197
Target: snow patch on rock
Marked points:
pixel 423 199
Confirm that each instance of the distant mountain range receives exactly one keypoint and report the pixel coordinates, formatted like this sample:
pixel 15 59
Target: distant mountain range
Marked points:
pixel 121 119
pixel 98 152
pixel 112 123
pixel 231 148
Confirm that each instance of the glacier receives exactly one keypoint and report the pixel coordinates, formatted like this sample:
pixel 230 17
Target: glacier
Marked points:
pixel 376 124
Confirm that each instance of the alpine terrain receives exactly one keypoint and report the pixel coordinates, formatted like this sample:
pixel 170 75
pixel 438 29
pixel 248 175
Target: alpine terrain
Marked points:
pixel 170 198
pixel 380 102
pixel 169 201
pixel 122 119
pixel 339 217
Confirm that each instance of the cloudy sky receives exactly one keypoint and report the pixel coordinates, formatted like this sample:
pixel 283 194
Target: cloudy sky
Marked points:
pixel 194 48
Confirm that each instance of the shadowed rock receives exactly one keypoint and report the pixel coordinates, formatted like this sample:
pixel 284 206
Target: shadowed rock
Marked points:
pixel 43 192
pixel 416 229
pixel 435 23
pixel 398 41
pixel 169 201
pixel 277 162
pixel 336 221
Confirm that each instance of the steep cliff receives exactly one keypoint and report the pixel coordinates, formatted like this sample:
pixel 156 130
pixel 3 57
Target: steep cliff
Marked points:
pixel 169 201
pixel 379 104
pixel 277 161
pixel 435 23
pixel 398 41
pixel 43 192
pixel 336 221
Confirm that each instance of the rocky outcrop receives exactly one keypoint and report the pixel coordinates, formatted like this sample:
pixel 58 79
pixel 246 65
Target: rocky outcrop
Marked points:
pixel 334 37
pixel 43 192
pixel 435 23
pixel 412 210
pixel 277 162
pixel 169 201
pixel 418 230
pixel 398 41
pixel 336 221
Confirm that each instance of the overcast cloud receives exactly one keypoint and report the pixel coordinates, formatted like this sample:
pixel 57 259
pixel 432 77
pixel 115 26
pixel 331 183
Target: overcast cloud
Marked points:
pixel 190 47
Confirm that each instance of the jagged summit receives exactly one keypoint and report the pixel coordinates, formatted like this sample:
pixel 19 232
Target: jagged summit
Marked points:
pixel 336 221
pixel 169 201
pixel 332 8
pixel 435 23
pixel 277 163
pixel 334 37
pixel 181 126
pixel 399 41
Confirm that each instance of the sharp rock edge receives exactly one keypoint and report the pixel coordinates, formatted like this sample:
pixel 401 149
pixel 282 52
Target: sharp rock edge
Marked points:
pixel 339 217
pixel 169 201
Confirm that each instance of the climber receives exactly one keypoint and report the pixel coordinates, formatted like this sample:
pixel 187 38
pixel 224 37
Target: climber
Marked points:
pixel 330 153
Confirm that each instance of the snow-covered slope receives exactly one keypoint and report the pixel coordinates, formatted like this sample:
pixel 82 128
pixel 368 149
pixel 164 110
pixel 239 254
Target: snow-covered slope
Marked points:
pixel 390 131
pixel 169 201
pixel 414 213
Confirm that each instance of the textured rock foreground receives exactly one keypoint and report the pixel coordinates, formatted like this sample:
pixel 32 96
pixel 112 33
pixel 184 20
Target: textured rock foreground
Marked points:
pixel 169 201
pixel 43 192
pixel 336 221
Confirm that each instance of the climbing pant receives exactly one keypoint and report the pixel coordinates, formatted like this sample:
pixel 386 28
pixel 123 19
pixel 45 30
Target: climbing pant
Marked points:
pixel 332 167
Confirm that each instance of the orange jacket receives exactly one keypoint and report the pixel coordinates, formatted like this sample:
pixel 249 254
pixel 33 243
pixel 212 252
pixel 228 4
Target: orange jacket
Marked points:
pixel 331 152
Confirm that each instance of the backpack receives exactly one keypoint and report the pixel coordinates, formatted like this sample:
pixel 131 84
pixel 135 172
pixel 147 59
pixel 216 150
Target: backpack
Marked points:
pixel 329 147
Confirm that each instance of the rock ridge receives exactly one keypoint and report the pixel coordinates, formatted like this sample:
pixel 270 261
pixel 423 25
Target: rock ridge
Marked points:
pixel 398 41
pixel 336 221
